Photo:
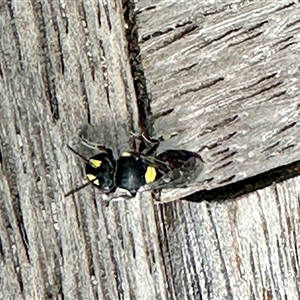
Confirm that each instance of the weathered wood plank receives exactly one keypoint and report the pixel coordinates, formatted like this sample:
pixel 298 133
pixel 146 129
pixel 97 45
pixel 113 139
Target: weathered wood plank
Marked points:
pixel 229 87
pixel 223 79
pixel 244 249
pixel 64 65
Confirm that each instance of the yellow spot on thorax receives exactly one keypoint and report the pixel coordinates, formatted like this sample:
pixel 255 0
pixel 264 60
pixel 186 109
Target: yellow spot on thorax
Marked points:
pixel 126 154
pixel 150 174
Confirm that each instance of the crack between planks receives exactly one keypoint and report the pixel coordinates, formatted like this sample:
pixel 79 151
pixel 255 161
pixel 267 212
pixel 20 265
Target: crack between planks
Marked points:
pixel 139 80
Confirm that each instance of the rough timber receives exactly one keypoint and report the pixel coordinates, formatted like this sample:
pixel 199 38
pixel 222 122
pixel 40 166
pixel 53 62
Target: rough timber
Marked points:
pixel 223 78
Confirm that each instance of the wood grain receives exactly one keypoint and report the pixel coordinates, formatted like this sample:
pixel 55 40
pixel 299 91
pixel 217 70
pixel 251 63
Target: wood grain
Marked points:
pixel 223 80
pixel 66 65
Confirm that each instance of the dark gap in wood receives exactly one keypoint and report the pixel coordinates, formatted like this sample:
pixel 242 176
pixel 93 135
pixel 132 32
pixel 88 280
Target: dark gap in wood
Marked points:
pixel 287 45
pixel 221 124
pixel 256 26
pixel 292 23
pixel 131 239
pixel 229 155
pixel 286 127
pixel 284 40
pixel 158 33
pixel 220 152
pixel 139 80
pixel 16 262
pixel 1 157
pixel 287 147
pixel 211 13
pixel 295 258
pixel 261 91
pixel 188 68
pixel 104 71
pixel 17 124
pixel 11 175
pixel 211 146
pixel 46 64
pixel 288 5
pixel 221 167
pixel 162 114
pixel 150 259
pixel 248 185
pixel 225 122
pixel 145 38
pixel 23 233
pixel 228 179
pixel 189 29
pixel 219 38
pixel 106 11
pixel 15 32
pixel 57 278
pixel 270 147
pixel 239 261
pixel 62 63
pixel 19 276
pixel 146 9
pixel 2 251
pixel 280 249
pixel 254 275
pixel 99 14
pixel 201 87
pixel 277 94
pixel 245 39
pixel 53 99
pixel 183 24
pixel 218 142
pixel 272 75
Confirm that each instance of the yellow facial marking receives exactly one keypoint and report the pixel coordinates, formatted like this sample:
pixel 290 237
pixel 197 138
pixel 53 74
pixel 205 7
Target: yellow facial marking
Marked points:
pixel 95 163
pixel 90 177
pixel 150 174
pixel 126 154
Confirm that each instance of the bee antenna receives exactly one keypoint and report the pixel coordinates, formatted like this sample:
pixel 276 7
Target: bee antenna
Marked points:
pixel 77 189
pixel 78 154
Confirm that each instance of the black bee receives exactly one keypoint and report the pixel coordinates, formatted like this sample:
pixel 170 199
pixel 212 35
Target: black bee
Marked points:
pixel 133 170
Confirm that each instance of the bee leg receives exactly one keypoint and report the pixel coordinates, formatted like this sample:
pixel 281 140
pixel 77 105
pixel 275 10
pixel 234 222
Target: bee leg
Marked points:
pixel 149 144
pixel 123 195
pixel 94 146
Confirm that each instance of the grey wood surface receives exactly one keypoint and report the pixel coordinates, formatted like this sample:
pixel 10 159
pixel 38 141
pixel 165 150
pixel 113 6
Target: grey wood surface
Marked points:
pixel 225 68
pixel 223 80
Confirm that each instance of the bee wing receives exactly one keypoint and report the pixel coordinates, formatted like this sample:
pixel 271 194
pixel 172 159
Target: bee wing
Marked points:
pixel 162 166
pixel 178 178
